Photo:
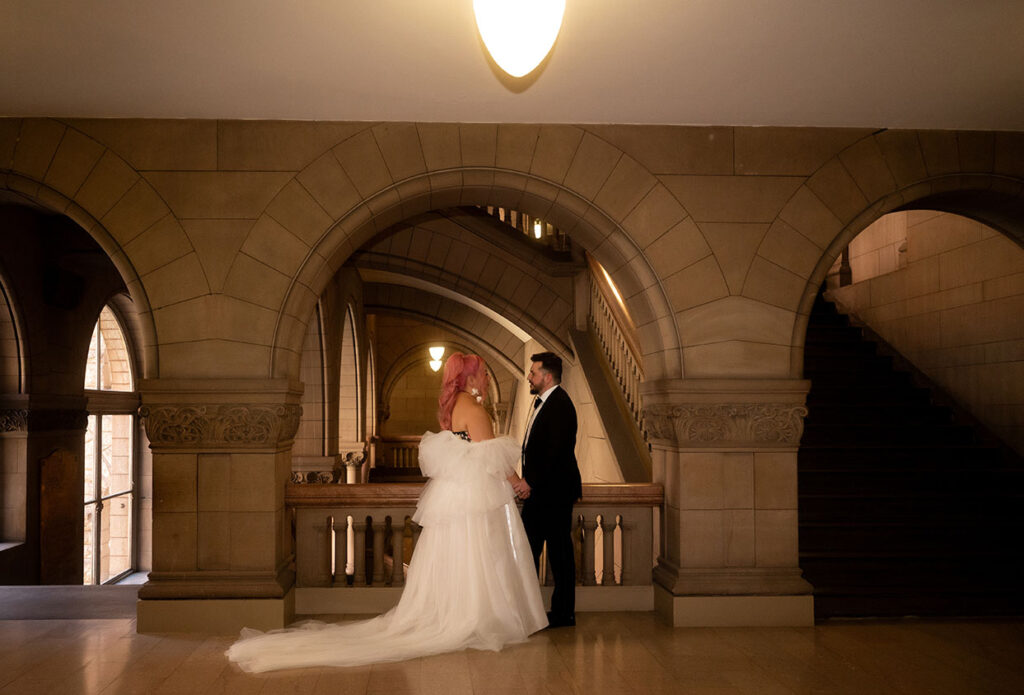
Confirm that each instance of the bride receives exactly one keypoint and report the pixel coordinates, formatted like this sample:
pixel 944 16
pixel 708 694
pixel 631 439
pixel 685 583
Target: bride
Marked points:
pixel 471 581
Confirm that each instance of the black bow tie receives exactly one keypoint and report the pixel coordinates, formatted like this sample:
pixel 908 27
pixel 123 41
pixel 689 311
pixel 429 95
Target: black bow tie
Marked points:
pixel 536 402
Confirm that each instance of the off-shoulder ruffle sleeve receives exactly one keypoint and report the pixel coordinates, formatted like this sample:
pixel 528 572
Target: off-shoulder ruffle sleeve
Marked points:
pixel 465 477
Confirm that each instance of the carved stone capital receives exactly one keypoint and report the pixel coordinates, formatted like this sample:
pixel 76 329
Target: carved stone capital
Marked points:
pixel 737 424
pixel 13 420
pixel 221 426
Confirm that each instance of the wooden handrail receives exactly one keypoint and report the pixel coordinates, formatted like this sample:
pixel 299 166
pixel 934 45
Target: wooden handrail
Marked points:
pixel 407 494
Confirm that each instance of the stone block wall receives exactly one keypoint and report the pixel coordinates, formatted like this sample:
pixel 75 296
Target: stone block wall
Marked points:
pixel 956 310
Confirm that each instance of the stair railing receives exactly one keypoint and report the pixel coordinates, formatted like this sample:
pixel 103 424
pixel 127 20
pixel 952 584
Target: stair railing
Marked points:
pixel 618 344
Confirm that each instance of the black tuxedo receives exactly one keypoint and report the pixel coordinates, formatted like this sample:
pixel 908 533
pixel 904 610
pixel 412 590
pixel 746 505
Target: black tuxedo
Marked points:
pixel 550 468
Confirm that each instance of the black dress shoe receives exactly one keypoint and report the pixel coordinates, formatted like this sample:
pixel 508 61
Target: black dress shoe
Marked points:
pixel 561 620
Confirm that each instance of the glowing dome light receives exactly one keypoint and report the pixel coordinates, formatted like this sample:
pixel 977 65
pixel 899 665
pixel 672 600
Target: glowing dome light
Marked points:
pixel 518 33
pixel 436 352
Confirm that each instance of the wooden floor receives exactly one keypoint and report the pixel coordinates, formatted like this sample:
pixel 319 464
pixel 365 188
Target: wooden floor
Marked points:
pixel 605 653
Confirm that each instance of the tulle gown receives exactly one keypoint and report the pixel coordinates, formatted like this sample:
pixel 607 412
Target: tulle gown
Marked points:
pixel 471 582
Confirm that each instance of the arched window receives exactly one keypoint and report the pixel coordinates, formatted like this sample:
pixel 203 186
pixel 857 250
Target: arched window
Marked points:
pixel 109 455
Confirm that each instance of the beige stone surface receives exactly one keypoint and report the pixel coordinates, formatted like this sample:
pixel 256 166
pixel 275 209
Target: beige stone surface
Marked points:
pixel 776 538
pixel 674 149
pixel 74 159
pixel 217 194
pixel 789 151
pixel 732 198
pixel 107 182
pixel 734 245
pixel 157 144
pixel 174 483
pixel 276 145
pixel 216 243
pixel 775 480
pixel 554 152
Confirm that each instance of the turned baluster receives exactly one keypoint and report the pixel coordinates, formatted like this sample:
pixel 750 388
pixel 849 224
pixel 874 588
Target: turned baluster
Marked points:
pixel 397 553
pixel 378 553
pixel 590 533
pixel 609 551
pixel 618 536
pixel 360 528
pixel 579 540
pixel 341 551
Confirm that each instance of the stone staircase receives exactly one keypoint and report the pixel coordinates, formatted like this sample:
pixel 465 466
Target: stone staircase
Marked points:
pixel 902 511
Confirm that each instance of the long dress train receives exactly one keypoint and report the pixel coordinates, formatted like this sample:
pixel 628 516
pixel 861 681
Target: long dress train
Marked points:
pixel 471 581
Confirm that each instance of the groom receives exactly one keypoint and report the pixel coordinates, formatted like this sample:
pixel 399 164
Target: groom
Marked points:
pixel 551 481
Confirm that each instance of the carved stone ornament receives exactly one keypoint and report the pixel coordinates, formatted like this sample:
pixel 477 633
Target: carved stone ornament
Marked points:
pixel 221 426
pixel 13 420
pixel 741 424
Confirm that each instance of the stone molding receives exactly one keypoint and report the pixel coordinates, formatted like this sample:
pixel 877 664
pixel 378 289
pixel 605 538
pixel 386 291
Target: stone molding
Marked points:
pixel 43 419
pixel 730 581
pixel 726 413
pixel 735 424
pixel 221 426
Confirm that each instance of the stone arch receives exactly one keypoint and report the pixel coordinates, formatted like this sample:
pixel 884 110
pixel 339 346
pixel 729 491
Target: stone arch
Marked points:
pixel 60 169
pixel 978 175
pixel 493 354
pixel 414 355
pixel 13 368
pixel 384 174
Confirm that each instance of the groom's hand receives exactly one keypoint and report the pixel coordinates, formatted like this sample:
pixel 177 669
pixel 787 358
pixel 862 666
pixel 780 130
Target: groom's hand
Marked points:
pixel 522 489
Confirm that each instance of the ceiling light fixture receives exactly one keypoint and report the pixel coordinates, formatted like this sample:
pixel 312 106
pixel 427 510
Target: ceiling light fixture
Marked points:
pixel 518 33
pixel 436 353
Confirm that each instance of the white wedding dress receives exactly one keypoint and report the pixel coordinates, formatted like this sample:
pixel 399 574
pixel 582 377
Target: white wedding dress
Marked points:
pixel 471 581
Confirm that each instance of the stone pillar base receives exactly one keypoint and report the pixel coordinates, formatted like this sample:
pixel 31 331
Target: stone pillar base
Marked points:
pixel 215 616
pixel 734 611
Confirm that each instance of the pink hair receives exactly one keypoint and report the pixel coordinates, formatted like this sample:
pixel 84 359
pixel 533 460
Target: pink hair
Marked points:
pixel 460 371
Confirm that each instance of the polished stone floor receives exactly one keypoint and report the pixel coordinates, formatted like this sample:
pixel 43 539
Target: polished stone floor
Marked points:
pixel 605 653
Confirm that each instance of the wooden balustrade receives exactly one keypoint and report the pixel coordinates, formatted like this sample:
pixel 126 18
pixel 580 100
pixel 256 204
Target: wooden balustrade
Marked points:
pixel 615 536
pixel 398 452
pixel 619 347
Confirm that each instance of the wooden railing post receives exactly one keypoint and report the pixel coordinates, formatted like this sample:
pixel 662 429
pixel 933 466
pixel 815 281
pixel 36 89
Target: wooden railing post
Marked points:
pixel 359 576
pixel 590 533
pixel 397 553
pixel 378 553
pixel 341 550
pixel 608 543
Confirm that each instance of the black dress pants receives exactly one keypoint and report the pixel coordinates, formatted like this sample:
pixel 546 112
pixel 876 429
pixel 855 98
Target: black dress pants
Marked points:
pixel 552 522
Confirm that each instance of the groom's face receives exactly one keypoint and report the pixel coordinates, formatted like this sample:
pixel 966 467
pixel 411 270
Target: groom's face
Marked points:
pixel 538 379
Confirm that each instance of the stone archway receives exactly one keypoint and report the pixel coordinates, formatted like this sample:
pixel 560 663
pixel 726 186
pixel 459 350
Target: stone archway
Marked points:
pixel 979 175
pixel 382 175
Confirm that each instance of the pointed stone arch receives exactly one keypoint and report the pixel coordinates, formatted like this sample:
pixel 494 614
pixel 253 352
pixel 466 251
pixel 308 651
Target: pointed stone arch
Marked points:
pixel 978 175
pixel 609 203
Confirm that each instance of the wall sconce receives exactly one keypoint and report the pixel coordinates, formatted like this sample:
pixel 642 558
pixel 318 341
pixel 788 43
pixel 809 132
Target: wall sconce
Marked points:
pixel 518 33
pixel 538 229
pixel 436 353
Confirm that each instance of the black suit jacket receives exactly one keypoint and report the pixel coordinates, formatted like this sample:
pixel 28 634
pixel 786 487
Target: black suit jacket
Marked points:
pixel 549 456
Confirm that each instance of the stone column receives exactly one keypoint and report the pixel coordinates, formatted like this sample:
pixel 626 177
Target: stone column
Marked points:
pixel 222 548
pixel 726 452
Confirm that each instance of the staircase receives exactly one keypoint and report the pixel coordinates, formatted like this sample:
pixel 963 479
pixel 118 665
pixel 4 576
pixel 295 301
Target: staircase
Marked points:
pixel 901 511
